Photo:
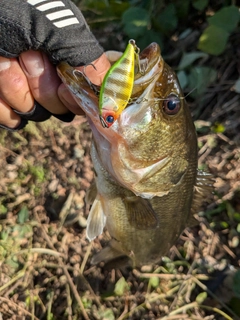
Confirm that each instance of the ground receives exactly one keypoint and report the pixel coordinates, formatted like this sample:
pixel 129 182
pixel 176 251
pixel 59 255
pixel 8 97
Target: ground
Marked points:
pixel 45 259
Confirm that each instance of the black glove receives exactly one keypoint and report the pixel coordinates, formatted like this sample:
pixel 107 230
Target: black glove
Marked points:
pixel 56 27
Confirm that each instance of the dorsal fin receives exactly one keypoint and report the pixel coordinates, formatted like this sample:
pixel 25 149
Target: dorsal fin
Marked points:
pixel 203 190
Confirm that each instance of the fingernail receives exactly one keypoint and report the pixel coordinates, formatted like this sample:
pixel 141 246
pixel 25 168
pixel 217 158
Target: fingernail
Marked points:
pixel 32 62
pixel 4 64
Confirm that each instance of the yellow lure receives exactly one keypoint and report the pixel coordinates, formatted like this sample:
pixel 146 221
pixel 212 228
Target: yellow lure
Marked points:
pixel 117 86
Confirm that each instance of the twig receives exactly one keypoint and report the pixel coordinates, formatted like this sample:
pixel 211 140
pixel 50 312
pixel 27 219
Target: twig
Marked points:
pixel 89 248
pixel 176 317
pixel 182 286
pixel 226 316
pixel 205 288
pixel 183 308
pixel 41 251
pixel 71 284
pixel 49 309
pixel 19 275
pixel 151 300
pixel 69 302
pixel 75 292
pixel 169 276
pixel 18 307
pixel 64 211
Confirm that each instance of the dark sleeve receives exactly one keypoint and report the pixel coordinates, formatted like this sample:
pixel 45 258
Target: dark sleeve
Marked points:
pixel 55 27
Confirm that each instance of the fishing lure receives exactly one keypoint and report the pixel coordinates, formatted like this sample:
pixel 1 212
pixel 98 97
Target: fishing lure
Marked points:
pixel 117 86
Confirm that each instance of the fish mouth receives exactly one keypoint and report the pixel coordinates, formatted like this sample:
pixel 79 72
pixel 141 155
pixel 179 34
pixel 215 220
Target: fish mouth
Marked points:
pixel 143 88
pixel 84 94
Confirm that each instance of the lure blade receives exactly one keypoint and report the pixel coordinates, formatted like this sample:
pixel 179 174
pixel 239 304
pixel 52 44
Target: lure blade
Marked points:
pixel 117 86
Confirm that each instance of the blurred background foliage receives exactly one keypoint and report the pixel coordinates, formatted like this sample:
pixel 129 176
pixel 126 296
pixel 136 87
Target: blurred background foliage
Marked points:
pixel 189 32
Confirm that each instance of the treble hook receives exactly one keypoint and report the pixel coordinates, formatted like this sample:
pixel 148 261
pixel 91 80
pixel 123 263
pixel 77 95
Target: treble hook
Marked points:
pixel 137 52
pixel 91 85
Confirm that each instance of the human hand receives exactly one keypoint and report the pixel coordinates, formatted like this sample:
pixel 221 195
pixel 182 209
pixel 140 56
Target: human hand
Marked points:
pixel 29 86
pixel 95 72
pixel 32 78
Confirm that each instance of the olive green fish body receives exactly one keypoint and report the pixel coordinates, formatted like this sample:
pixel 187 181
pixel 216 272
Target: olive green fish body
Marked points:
pixel 147 185
pixel 136 238
pixel 117 86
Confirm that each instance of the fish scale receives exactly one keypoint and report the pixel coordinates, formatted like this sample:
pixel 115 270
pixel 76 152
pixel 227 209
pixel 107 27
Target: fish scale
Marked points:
pixel 147 186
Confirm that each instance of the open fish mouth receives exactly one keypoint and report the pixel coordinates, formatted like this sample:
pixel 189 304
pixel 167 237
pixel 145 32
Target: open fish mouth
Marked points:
pixel 86 94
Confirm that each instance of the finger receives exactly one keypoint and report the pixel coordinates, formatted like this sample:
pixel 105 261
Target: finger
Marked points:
pixel 42 80
pixel 14 89
pixel 95 73
pixel 8 117
pixel 97 69
pixel 68 100
pixel 113 55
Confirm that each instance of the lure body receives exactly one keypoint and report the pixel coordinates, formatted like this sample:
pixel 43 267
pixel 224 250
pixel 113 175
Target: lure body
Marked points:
pixel 117 86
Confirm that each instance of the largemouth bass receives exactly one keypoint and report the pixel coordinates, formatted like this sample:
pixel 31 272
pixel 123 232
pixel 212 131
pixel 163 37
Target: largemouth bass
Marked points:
pixel 147 185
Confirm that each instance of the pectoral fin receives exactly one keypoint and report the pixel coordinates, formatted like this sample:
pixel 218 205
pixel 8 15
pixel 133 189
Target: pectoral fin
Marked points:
pixel 96 220
pixel 140 213
pixel 91 193
pixel 203 190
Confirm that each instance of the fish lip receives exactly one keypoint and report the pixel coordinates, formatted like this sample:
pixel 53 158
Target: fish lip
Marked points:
pixel 150 74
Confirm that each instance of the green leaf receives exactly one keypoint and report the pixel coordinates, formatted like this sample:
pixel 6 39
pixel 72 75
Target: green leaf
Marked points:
pixel 121 287
pixel 154 282
pixel 135 21
pixel 3 209
pixel 236 284
pixel 23 215
pixel 107 314
pixel 200 78
pixel 201 297
pixel 86 302
pixel 236 216
pixel 182 8
pixel 218 128
pixel 4 235
pixel 224 224
pixel 213 40
pixel 230 210
pixel 106 8
pixel 226 18
pixel 200 4
pixel 12 262
pixel 188 58
pixel 149 37
pixel 182 78
pixel 236 86
pixel 167 20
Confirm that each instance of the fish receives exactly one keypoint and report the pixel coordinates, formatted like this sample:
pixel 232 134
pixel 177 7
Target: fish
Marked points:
pixel 117 85
pixel 147 185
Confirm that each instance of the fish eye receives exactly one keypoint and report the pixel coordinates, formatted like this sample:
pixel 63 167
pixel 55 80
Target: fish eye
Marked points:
pixel 171 105
pixel 109 119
